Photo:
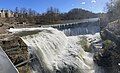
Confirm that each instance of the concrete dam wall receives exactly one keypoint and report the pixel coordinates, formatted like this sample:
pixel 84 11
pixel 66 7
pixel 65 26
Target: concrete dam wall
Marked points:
pixel 81 27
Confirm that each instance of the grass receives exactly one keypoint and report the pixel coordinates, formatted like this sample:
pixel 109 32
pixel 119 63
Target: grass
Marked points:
pixel 84 44
pixel 107 44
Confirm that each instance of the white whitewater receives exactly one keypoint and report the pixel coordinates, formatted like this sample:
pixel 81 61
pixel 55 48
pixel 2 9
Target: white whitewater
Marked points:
pixel 56 52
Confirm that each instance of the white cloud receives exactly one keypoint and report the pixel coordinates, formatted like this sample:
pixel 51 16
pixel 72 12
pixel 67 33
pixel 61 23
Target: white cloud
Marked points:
pixel 93 1
pixel 83 3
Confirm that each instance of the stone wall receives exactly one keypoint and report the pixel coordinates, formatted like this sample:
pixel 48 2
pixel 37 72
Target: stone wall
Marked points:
pixel 17 51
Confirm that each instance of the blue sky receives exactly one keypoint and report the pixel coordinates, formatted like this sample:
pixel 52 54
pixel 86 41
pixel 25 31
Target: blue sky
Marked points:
pixel 63 5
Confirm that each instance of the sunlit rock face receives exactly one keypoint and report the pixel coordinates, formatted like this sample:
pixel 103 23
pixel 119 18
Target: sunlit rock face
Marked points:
pixel 56 52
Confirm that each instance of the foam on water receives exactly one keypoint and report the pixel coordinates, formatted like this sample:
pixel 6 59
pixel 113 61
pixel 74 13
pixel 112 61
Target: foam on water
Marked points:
pixel 57 52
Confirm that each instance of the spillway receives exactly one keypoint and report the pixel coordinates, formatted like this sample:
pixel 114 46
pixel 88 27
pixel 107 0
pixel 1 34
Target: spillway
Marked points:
pixel 56 53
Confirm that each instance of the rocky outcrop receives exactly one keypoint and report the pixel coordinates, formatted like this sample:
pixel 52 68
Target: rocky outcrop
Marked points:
pixel 109 56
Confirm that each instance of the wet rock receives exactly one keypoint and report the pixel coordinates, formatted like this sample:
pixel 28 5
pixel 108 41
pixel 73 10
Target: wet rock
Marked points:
pixel 109 56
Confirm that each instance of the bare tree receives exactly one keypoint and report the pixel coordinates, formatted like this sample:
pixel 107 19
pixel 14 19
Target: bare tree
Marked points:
pixel 113 8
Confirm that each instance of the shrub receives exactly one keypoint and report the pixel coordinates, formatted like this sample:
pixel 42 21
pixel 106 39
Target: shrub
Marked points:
pixel 84 44
pixel 107 44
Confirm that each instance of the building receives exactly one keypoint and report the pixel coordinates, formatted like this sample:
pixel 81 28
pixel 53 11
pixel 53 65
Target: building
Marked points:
pixel 6 13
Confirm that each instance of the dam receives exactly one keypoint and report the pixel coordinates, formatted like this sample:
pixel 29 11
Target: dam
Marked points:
pixel 78 27
pixel 58 48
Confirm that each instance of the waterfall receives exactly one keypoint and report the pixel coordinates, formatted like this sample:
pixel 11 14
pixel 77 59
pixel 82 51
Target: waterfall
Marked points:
pixel 56 52
pixel 82 29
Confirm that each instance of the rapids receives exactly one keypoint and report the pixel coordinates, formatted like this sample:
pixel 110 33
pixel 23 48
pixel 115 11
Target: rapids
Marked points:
pixel 56 52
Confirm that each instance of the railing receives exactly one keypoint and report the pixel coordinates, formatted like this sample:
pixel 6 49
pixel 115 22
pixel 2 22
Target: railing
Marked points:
pixel 73 22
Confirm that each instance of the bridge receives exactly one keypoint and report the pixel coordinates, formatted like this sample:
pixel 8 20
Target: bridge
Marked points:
pixel 78 27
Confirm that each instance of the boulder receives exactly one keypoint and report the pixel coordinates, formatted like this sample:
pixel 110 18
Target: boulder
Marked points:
pixel 109 56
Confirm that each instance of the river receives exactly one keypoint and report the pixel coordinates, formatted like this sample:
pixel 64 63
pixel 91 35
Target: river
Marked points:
pixel 58 53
